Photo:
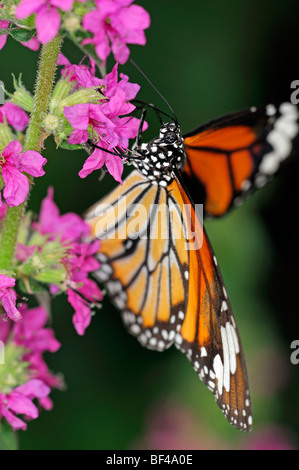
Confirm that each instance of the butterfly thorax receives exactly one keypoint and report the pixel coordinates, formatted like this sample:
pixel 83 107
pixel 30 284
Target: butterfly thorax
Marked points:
pixel 157 159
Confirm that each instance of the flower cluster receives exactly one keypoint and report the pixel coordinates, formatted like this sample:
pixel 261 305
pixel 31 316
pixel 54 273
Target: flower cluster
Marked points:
pixel 43 257
pixel 25 376
pixel 114 24
pixel 109 25
pixel 102 123
pixel 58 254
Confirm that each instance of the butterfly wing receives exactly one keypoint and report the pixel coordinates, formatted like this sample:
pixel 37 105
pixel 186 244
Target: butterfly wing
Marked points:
pixel 209 335
pixel 168 286
pixel 229 158
pixel 143 259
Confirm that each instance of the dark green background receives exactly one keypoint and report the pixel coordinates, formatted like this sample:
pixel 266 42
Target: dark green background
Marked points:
pixel 208 59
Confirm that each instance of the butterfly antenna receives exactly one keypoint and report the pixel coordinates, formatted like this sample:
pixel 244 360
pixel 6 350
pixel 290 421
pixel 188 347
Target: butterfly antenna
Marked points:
pixel 155 88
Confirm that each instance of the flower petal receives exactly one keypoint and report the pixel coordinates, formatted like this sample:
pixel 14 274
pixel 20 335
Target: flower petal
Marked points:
pixel 32 162
pixel 27 7
pixel 115 167
pixel 94 162
pixel 47 23
pixel 16 186
pixel 9 303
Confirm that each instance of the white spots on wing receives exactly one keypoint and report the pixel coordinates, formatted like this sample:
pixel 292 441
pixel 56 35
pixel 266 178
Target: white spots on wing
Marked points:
pixel 135 329
pixel 172 319
pixel 114 287
pixel 164 334
pixel 247 402
pixel 249 420
pixel 181 315
pixel 120 300
pixel 235 337
pixel 224 306
pixel 186 275
pixel 260 180
pixel 253 109
pixel 203 352
pixel 211 384
pixel 171 335
pixel 285 128
pixel 270 110
pixel 178 339
pixel 226 360
pixel 245 185
pixel 215 260
pixel 153 341
pixel 218 368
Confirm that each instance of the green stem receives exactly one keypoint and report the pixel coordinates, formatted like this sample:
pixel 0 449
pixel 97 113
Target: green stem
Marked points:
pixel 44 83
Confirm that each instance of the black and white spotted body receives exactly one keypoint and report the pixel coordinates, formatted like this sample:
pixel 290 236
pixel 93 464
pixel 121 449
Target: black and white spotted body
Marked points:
pixel 157 159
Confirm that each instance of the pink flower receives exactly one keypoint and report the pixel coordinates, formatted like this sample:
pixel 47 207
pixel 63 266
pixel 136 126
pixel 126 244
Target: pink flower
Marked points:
pixel 12 163
pixel 112 130
pixel 19 401
pixel 78 259
pixel 115 24
pixel 98 159
pixel 82 74
pixel 31 333
pixel 14 116
pixel 47 15
pixel 36 339
pixel 35 382
pixel 8 297
pixel 69 227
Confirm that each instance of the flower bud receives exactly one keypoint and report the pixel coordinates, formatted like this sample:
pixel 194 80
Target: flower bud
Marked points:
pixel 85 95
pixel 14 371
pixel 72 23
pixel 61 91
pixel 51 122
pixel 6 135
pixel 21 97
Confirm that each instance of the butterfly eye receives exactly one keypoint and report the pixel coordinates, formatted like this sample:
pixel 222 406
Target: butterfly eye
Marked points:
pixel 170 137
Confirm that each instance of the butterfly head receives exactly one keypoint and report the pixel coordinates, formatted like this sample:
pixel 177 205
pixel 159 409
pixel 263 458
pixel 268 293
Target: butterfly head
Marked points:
pixel 158 158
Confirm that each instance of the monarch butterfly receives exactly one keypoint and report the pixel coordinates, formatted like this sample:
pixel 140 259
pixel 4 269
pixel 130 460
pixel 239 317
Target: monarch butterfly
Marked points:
pixel 167 291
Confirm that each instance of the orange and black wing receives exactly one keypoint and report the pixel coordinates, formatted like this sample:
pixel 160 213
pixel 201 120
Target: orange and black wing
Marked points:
pixel 143 258
pixel 160 271
pixel 209 335
pixel 229 158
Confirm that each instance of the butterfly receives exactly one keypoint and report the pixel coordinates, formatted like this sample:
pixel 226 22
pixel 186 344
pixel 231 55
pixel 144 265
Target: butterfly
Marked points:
pixel 157 263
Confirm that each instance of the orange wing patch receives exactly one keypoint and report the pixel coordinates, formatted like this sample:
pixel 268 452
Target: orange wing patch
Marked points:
pixel 214 160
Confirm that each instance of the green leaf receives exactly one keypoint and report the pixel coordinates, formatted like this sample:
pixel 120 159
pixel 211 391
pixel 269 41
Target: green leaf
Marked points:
pixel 8 438
pixel 65 145
pixel 22 35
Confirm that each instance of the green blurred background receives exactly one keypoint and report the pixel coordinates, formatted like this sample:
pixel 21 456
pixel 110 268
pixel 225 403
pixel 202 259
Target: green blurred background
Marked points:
pixel 208 59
